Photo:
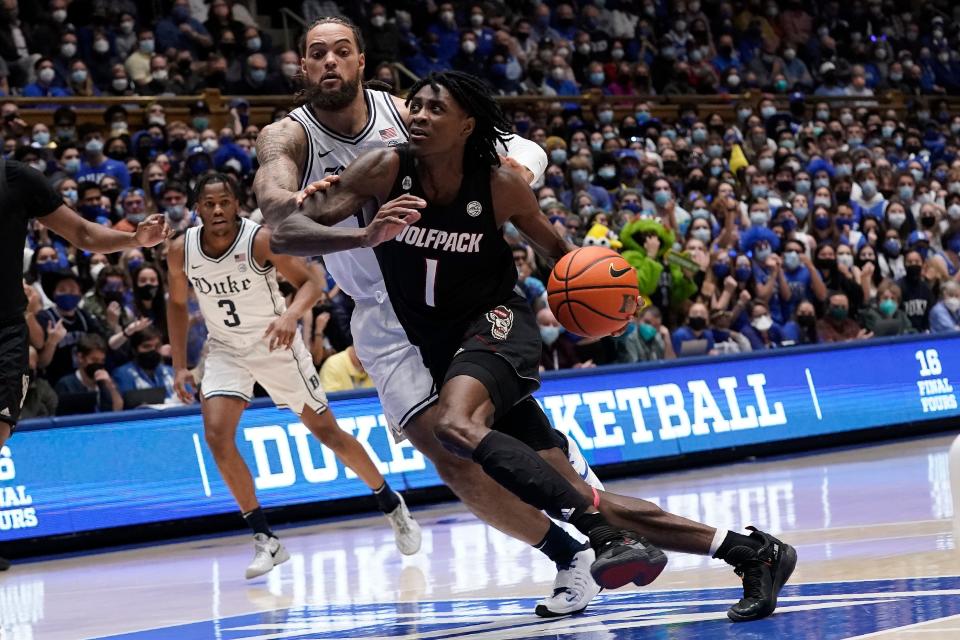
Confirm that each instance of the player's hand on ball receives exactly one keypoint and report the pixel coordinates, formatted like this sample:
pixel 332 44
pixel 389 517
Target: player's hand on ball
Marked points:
pixel 313 187
pixel 280 332
pixel 182 378
pixel 393 217
pixel 152 231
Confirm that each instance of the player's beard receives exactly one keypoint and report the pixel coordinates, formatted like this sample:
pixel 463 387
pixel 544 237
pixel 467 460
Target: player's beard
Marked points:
pixel 318 98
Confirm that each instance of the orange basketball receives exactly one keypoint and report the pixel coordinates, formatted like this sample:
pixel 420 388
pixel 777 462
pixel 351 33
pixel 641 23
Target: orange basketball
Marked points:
pixel 593 291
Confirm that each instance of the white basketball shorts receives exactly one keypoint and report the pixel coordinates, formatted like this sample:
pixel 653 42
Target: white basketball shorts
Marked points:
pixel 288 375
pixel 403 382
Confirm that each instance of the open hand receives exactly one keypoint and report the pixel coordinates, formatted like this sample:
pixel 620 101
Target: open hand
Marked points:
pixel 152 231
pixel 280 332
pixel 393 217
pixel 182 378
pixel 313 187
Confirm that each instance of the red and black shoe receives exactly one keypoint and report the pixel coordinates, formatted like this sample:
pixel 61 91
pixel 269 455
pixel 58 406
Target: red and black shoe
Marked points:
pixel 623 557
pixel 764 572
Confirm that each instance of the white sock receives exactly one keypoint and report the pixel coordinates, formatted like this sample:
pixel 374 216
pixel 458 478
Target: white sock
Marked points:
pixel 718 538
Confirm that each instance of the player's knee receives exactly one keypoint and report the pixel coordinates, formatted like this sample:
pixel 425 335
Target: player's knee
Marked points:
pixel 219 440
pixel 457 432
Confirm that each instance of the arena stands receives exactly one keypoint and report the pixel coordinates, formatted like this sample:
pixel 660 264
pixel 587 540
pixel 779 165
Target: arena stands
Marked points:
pixel 780 173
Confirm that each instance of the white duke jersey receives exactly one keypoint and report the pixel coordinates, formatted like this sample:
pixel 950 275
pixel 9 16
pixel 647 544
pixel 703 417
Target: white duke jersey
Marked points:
pixel 238 298
pixel 356 271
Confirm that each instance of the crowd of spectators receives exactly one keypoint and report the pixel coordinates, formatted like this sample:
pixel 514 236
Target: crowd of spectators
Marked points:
pixel 803 223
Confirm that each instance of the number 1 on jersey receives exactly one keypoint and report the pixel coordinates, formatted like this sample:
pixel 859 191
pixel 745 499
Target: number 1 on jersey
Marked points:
pixel 431 286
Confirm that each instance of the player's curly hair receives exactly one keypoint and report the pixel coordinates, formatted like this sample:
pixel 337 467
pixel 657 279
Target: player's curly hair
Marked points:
pixel 477 100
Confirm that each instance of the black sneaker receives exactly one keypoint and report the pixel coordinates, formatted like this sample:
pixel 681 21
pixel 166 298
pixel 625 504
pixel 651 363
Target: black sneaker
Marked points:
pixel 764 572
pixel 624 557
pixel 4 564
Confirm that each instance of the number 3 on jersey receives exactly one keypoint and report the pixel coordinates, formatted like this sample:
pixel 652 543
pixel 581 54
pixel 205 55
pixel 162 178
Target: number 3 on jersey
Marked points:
pixel 429 292
pixel 232 319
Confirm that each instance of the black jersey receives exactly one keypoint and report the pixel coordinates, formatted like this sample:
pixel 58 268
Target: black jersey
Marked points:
pixel 26 194
pixel 449 267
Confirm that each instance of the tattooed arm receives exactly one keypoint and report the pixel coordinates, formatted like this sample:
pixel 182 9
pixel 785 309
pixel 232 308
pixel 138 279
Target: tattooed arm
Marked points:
pixel 308 230
pixel 281 151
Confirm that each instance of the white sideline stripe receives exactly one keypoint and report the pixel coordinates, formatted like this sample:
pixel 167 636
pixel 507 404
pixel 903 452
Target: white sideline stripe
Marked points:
pixel 202 464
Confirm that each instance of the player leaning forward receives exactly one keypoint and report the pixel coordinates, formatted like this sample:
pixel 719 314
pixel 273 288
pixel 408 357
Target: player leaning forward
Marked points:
pixel 457 303
pixel 338 121
pixel 254 338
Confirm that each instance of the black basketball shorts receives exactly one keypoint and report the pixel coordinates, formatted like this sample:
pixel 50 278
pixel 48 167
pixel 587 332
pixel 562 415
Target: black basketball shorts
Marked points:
pixel 14 364
pixel 501 349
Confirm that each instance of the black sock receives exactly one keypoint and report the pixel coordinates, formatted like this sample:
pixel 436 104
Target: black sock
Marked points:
pixel 387 498
pixel 736 547
pixel 595 527
pixel 559 546
pixel 517 468
pixel 258 522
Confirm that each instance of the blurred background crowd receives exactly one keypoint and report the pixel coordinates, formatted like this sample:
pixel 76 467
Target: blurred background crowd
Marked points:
pixel 812 212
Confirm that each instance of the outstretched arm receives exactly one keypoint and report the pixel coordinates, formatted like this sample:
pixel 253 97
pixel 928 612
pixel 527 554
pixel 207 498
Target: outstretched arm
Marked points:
pixel 309 231
pixel 97 238
pixel 514 201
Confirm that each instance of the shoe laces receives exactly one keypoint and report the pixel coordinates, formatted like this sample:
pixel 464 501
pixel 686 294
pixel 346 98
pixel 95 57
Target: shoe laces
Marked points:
pixel 570 580
pixel 751 572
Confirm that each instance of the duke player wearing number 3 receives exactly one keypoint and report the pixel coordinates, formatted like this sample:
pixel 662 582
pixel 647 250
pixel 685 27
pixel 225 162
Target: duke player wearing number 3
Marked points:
pixel 254 337
pixel 441 205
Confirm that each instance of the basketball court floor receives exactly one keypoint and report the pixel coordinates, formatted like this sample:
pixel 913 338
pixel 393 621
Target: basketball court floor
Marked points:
pixel 872 525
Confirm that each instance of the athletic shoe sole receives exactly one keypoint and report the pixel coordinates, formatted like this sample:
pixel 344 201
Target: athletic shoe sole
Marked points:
pixel 544 612
pixel 788 562
pixel 625 564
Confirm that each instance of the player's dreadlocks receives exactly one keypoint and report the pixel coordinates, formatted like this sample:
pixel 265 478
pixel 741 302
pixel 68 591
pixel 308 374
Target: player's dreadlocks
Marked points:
pixel 476 99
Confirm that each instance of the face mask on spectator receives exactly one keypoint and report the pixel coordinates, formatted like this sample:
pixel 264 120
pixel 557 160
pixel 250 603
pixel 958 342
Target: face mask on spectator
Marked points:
pixel 148 360
pixel 42 138
pixel 68 49
pixel 47 75
pixel 822 201
pixel 579 175
pixel 888 307
pixel 48 266
pixel 697 323
pixel 661 198
pixel 101 46
pixel 823 114
pixel 120 84
pixel 147 46
pixel 290 69
pixel 616 54
pixel 768 112
pixel 721 270
pixel 953 304
pixel 78 75
pixel 791 260
pixel 607 172
pixel 701 234
pixel 70 196
pixel 759 190
pixel 953 211
pixel 896 220
pixel 869 188
pixel 905 192
pixel 759 218
pixel 39 165
pixel 838 313
pixel 802 186
pixel 845 259
pixel 59 15
pixel 917 174
pixel 176 212
pixel 253 44
pixel 596 79
pixel 766 164
pixel 126 27
pixel 558 156
pixel 763 323
pixel 66 301
pixel 648 331
pixel 742 274
pixel 549 335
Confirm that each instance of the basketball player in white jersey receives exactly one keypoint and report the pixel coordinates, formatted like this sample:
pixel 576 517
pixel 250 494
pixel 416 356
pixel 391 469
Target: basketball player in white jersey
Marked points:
pixel 338 122
pixel 253 337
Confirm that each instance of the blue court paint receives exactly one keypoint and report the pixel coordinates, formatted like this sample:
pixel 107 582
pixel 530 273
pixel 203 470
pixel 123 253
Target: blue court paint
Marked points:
pixel 824 611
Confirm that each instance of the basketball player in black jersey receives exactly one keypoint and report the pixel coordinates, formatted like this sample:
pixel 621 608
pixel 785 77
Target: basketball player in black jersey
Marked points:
pixel 451 278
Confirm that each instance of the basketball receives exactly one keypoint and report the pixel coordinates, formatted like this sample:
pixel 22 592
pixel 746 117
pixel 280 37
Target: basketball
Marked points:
pixel 593 291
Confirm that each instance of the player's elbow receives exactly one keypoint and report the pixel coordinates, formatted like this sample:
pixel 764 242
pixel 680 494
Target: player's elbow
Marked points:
pixel 283 239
